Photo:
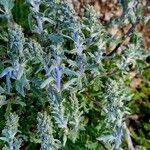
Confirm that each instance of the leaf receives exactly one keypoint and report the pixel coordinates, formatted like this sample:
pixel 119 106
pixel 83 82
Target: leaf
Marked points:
pixel 6 71
pixel 20 72
pixel 48 20
pixel 1 90
pixel 68 37
pixel 31 26
pixel 71 63
pixel 46 82
pixel 4 139
pixel 64 140
pixel 8 109
pixel 8 83
pixel 79 82
pixel 70 72
pixel 56 38
pixel 21 85
pixel 8 4
pixel 2 16
pixel 106 138
pixel 69 83
pixel 18 101
pixel 2 100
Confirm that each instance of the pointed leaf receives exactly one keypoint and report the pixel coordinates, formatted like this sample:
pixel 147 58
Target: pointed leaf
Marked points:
pixel 6 71
pixel 46 82
pixel 4 139
pixel 70 72
pixel 69 83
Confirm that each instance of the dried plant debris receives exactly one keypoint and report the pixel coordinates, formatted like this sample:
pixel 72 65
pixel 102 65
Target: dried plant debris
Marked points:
pixel 105 9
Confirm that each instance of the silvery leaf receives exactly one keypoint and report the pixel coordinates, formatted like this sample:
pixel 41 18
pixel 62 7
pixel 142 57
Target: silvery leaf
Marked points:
pixel 46 82
pixel 6 71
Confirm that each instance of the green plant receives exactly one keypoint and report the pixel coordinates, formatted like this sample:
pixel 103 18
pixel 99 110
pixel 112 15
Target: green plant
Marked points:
pixel 9 133
pixel 62 73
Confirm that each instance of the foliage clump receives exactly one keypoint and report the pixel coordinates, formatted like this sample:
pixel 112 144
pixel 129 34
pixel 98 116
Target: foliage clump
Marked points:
pixel 63 82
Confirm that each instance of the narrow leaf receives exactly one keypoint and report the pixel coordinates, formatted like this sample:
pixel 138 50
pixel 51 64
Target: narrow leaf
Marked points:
pixel 69 83
pixel 46 82
pixel 5 71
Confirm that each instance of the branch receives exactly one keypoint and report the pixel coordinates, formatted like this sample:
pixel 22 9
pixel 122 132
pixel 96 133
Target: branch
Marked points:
pixel 97 103
pixel 128 34
pixel 118 138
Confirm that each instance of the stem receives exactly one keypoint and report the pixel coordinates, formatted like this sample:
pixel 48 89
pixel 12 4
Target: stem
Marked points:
pixel 118 138
pixel 8 83
pixel 11 146
pixel 97 103
pixel 130 31
pixel 35 9
pixel 39 24
pixel 128 138
pixel 79 49
pixel 58 78
pixel 80 62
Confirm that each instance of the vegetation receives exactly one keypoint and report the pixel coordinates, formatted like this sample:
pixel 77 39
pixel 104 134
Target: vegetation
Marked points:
pixel 61 87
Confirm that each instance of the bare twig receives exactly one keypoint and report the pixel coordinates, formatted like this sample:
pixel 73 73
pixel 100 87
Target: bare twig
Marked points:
pixel 128 34
pixel 97 103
